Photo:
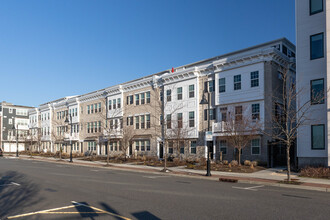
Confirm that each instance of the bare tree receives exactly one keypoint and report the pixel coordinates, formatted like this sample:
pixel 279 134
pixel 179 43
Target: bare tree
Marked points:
pixel 287 118
pixel 239 129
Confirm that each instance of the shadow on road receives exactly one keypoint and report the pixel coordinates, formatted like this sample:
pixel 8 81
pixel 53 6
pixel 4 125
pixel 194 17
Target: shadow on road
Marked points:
pixel 16 193
pixel 86 211
pixel 145 215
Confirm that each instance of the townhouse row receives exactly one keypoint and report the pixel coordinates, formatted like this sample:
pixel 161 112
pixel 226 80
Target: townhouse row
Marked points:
pixel 140 116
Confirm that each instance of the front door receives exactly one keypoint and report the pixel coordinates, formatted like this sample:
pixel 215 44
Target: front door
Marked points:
pixel 210 148
pixel 161 150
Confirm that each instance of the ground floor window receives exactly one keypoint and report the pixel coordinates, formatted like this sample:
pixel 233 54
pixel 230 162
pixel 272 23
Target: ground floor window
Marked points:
pixel 318 142
pixel 170 147
pixel 143 145
pixel 181 144
pixel 223 147
pixel 91 145
pixel 193 145
pixel 255 146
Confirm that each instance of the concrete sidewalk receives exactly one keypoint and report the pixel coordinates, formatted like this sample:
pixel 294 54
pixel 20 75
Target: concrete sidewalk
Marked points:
pixel 266 177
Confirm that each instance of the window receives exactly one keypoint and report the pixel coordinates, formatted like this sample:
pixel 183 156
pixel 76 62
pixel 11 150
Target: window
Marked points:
pixel 191 119
pixel 100 106
pixel 179 120
pixel 10 121
pixel 254 79
pixel 148 120
pixel 161 96
pixel 111 124
pixel 318 142
pixel 131 120
pixel 131 99
pixel 137 97
pixel 191 91
pixel 179 93
pixel 76 111
pixel 255 111
pixel 88 127
pixel 92 111
pixel 10 110
pixel 142 121
pixel 315 6
pixel 142 98
pixel 88 110
pixel 181 145
pixel 223 116
pixel 238 113
pixel 317 91
pixel 317 46
pixel 142 146
pixel 148 145
pixel 237 82
pixel 118 103
pixel 193 145
pixel 168 121
pixel 170 147
pixel 222 85
pixel 137 124
pixel 95 105
pixel 255 146
pixel 114 105
pixel 95 126
pixel 110 104
pixel 168 95
pixel 212 114
pixel 223 147
pixel 148 97
pixel 137 145
pixel 99 125
pixel 211 85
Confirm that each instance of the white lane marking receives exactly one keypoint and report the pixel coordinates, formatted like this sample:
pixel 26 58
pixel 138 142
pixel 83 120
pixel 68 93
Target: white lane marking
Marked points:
pixel 252 188
pixel 10 184
pixel 154 177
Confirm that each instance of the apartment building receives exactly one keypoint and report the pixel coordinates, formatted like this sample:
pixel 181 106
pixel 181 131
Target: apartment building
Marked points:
pixel 163 111
pixel 14 123
pixel 312 28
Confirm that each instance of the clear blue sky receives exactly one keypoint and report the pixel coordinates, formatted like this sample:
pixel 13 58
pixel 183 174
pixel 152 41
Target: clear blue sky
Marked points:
pixel 55 48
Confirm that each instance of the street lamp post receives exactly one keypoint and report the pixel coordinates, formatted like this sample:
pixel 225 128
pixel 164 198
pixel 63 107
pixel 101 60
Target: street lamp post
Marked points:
pixel 16 130
pixel 203 102
pixel 67 121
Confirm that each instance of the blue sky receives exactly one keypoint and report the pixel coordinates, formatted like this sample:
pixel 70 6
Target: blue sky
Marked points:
pixel 55 48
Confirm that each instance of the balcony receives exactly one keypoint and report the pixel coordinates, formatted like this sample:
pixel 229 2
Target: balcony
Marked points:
pixel 224 128
pixel 74 137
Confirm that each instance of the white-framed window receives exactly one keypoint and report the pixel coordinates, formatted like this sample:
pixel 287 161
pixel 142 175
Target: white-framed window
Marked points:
pixel 10 110
pixel 193 145
pixel 10 121
pixel 255 146
pixel 222 85
pixel 254 79
pixel 191 119
pixel 255 111
pixel 179 93
pixel 223 147
pixel 191 91
pixel 237 82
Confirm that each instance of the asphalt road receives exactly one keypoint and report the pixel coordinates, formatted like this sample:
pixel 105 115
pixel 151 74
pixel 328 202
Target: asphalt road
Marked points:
pixel 41 190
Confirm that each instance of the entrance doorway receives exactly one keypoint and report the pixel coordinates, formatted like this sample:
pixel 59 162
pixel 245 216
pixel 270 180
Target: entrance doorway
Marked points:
pixel 210 148
pixel 161 150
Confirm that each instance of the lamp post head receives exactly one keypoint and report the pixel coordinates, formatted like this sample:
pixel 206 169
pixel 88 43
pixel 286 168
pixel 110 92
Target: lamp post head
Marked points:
pixel 66 120
pixel 204 100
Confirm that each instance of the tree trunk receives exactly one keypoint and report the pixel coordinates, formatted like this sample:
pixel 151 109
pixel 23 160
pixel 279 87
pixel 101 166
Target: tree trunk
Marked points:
pixel 165 157
pixel 239 156
pixel 288 162
pixel 108 154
